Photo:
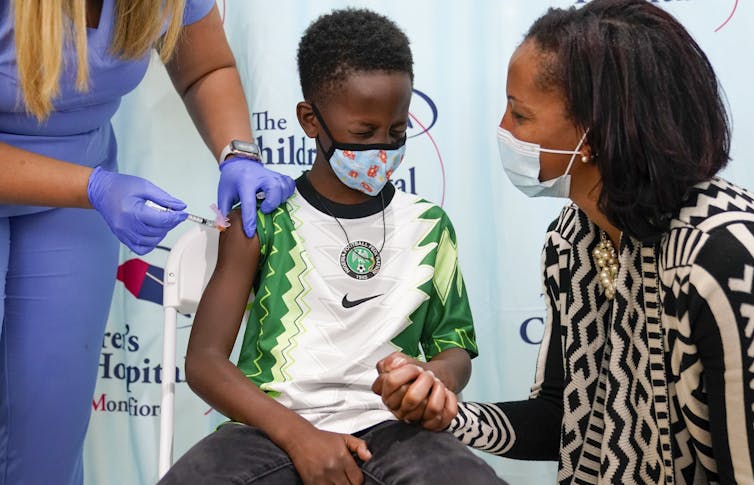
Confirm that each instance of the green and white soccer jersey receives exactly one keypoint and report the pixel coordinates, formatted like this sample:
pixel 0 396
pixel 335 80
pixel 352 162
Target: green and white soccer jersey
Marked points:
pixel 317 328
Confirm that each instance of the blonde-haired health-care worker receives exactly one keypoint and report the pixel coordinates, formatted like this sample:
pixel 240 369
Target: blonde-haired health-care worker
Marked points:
pixel 64 67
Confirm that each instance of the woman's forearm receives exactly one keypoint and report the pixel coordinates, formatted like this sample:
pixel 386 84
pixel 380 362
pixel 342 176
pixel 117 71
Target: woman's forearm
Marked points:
pixel 203 71
pixel 218 108
pixel 29 178
pixel 525 430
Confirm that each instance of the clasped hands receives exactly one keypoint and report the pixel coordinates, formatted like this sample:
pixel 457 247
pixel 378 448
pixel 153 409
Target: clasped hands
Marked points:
pixel 413 393
pixel 408 388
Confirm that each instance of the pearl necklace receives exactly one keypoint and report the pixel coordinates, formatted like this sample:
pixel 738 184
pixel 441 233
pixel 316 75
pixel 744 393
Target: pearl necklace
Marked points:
pixel 607 265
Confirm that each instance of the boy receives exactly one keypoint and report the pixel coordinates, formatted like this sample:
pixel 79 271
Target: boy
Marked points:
pixel 346 272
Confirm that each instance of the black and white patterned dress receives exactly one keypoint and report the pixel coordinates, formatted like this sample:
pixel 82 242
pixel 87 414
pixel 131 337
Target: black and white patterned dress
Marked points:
pixel 657 385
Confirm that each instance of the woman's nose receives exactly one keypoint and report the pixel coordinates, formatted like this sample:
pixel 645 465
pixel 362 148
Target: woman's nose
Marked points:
pixel 506 122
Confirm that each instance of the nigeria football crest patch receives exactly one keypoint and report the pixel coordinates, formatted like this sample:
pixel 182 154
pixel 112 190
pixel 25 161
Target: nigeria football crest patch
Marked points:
pixel 360 260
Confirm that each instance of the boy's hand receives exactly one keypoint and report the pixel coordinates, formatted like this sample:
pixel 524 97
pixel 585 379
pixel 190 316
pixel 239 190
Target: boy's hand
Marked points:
pixel 324 457
pixel 414 394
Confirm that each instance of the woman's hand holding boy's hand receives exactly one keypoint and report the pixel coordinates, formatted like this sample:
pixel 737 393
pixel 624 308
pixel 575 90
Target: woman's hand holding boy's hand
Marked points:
pixel 325 457
pixel 413 393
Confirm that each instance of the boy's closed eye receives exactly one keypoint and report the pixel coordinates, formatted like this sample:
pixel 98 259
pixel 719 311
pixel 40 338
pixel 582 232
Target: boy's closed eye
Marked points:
pixel 397 130
pixel 395 135
pixel 363 134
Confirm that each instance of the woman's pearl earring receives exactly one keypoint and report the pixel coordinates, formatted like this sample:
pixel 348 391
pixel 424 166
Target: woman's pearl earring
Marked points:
pixel 585 159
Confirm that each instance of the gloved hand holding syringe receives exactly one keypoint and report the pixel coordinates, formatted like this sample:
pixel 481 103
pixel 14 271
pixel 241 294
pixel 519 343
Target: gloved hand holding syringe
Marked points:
pixel 219 222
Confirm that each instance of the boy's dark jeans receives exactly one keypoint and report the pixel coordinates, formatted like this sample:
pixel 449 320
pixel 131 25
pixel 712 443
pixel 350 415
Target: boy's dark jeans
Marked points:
pixel 401 454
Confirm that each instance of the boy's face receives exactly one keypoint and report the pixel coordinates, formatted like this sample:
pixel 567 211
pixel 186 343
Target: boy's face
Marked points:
pixel 368 108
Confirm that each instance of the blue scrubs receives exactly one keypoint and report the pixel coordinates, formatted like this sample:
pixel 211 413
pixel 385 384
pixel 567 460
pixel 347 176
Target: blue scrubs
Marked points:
pixel 57 266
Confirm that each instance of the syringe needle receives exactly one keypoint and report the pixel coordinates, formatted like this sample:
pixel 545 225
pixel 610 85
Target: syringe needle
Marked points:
pixel 191 217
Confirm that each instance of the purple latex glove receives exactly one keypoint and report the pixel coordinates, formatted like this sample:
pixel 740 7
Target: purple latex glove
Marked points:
pixel 241 179
pixel 120 200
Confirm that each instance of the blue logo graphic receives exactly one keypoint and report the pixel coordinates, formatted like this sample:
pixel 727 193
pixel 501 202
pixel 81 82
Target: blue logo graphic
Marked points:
pixel 424 109
pixel 532 330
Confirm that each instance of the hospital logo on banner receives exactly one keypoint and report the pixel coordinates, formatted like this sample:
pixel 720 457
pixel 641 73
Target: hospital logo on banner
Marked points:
pixel 287 149
pixel 123 358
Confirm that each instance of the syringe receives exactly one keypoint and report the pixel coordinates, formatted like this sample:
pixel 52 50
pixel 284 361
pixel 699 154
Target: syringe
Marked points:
pixel 191 217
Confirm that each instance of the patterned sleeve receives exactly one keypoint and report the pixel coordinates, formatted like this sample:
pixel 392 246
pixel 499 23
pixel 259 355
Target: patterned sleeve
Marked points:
pixel 264 233
pixel 720 311
pixel 529 429
pixel 196 10
pixel 449 322
pixel 267 225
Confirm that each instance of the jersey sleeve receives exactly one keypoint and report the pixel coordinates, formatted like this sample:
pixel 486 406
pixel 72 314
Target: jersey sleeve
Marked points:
pixel 266 232
pixel 196 10
pixel 720 309
pixel 449 322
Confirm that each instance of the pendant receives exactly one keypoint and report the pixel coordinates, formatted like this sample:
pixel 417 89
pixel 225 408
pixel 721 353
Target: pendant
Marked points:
pixel 360 260
pixel 606 262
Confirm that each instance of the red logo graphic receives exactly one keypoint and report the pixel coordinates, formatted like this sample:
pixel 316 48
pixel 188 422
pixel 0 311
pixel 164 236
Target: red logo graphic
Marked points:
pixel 142 280
pixel 383 156
pixel 353 174
pixel 367 187
pixel 372 171
pixel 349 154
pixel 732 13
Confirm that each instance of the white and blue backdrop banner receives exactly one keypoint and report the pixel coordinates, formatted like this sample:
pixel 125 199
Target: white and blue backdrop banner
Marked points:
pixel 461 51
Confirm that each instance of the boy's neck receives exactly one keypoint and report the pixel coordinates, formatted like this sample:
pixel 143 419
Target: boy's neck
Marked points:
pixel 327 184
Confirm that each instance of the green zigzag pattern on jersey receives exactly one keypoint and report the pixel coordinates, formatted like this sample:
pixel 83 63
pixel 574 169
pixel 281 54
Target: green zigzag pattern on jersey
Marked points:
pixel 260 303
pixel 427 243
pixel 294 301
pixel 443 256
pixel 446 265
pixel 261 299
pixel 286 300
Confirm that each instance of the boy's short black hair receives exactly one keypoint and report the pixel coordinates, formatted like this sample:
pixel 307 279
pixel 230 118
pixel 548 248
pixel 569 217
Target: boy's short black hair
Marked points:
pixel 347 41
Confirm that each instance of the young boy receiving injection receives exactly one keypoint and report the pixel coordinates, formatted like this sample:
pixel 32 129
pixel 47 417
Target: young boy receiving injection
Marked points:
pixel 347 271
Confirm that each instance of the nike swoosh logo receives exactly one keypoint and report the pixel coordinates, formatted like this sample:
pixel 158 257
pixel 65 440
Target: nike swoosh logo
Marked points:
pixel 350 304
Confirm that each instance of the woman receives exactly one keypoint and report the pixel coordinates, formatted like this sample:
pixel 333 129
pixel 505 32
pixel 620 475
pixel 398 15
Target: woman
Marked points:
pixel 646 369
pixel 63 70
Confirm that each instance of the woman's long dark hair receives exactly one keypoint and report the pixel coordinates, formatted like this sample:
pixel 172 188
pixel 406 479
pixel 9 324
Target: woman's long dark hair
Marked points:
pixel 634 76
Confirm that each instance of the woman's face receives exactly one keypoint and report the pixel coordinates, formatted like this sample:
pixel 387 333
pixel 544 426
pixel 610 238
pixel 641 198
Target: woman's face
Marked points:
pixel 538 115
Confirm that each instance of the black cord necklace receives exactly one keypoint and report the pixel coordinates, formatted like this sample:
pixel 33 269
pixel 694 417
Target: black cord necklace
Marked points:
pixel 359 259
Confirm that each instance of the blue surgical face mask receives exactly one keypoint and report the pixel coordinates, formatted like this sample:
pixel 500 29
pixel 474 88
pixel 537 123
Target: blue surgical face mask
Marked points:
pixel 364 167
pixel 521 163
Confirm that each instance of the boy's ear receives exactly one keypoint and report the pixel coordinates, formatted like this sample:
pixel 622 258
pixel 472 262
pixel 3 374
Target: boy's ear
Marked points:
pixel 307 119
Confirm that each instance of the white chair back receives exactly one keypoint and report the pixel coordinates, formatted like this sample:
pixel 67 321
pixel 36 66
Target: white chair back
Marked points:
pixel 187 271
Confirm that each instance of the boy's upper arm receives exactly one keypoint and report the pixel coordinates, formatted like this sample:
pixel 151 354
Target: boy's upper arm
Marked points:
pixel 223 302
